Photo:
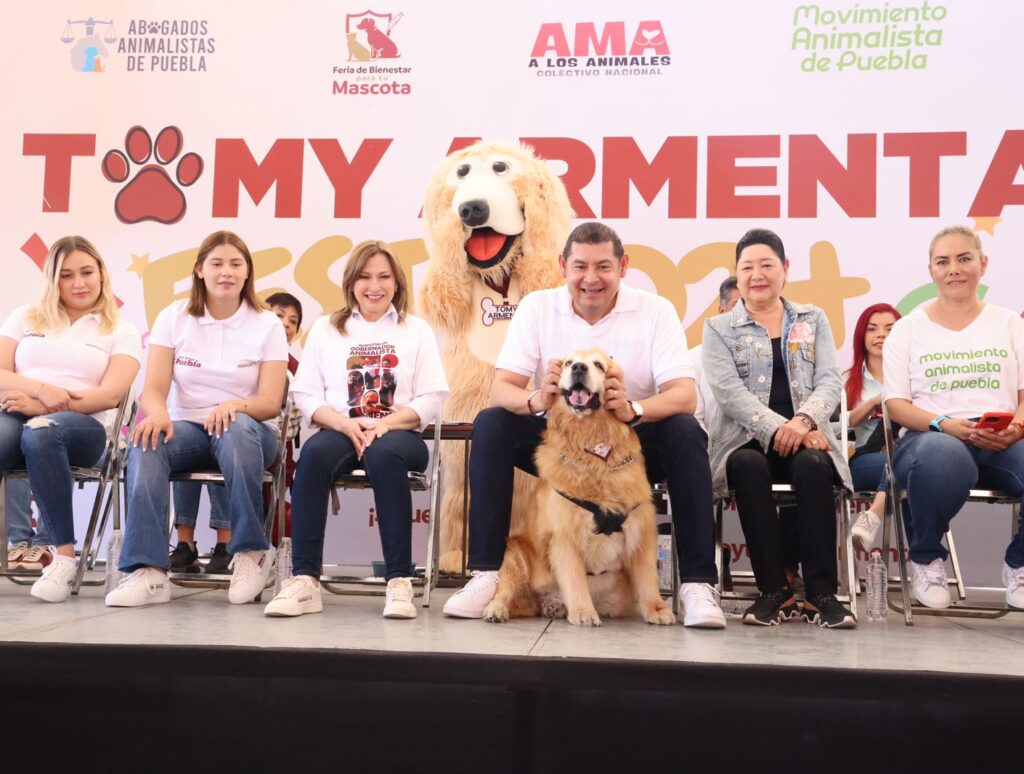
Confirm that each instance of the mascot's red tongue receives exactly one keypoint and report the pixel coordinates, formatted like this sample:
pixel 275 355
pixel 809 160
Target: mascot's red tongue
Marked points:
pixel 484 243
pixel 579 397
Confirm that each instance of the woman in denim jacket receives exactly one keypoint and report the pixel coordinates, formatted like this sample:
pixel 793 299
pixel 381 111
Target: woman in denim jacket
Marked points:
pixel 771 365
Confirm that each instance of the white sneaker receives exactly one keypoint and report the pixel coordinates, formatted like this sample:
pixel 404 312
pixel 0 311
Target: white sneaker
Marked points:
pixel 865 529
pixel 471 599
pixel 299 594
pixel 398 602
pixel 251 570
pixel 700 606
pixel 1013 579
pixel 56 581
pixel 928 584
pixel 145 586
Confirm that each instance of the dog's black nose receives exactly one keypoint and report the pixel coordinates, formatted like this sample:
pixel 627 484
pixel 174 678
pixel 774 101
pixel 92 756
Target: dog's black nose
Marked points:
pixel 474 212
pixel 578 369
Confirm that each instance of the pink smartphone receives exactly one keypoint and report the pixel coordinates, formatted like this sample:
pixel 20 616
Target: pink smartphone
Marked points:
pixel 995 421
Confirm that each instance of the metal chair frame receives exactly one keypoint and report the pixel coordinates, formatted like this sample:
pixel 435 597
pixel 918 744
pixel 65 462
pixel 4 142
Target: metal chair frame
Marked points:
pixel 106 473
pixel 274 475
pixel 894 513
pixel 785 494
pixel 427 481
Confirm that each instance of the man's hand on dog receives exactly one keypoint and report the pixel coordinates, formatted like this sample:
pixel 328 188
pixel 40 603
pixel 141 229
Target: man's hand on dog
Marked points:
pixel 549 388
pixel 616 398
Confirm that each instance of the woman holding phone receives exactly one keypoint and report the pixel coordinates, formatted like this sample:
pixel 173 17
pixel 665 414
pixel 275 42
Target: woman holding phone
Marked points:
pixel 952 367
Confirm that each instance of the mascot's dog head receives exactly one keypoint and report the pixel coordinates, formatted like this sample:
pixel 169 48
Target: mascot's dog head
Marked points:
pixel 490 205
pixel 582 381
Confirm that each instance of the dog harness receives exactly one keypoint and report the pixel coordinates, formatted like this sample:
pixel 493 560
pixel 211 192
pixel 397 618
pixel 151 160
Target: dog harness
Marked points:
pixel 605 522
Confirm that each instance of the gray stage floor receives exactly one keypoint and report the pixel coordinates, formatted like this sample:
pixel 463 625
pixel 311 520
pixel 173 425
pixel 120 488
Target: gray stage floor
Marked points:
pixel 204 617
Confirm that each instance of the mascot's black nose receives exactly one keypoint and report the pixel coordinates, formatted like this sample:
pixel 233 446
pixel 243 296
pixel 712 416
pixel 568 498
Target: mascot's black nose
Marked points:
pixel 474 212
pixel 578 369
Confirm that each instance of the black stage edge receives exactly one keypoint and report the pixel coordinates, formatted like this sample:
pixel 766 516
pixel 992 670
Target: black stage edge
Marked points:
pixel 192 709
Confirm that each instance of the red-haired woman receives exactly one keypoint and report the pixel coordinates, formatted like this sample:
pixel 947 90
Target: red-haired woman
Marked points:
pixel 864 399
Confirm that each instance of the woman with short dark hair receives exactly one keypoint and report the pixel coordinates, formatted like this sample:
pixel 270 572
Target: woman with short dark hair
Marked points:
pixel 771 364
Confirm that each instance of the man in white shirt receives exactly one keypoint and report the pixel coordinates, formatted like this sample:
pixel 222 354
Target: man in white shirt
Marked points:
pixel 728 295
pixel 656 394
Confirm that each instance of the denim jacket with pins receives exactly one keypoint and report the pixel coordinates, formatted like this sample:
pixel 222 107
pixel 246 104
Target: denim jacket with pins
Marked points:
pixel 737 356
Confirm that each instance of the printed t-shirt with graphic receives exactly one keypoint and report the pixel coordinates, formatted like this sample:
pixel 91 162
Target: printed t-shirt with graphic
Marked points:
pixel 371 371
pixel 216 360
pixel 74 357
pixel 959 374
pixel 641 333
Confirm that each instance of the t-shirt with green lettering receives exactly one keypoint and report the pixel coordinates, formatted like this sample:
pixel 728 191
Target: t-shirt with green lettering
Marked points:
pixel 959 374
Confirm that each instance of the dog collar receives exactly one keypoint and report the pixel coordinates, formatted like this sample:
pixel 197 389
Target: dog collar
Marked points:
pixel 627 460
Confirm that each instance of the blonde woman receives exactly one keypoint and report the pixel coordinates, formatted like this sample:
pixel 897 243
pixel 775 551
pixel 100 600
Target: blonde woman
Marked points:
pixel 396 356
pixel 948 364
pixel 214 385
pixel 65 365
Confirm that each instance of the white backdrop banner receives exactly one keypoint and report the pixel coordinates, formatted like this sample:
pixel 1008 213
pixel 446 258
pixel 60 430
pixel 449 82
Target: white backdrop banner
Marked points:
pixel 854 129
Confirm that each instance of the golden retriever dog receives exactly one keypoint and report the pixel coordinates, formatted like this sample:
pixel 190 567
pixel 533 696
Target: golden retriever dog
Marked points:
pixel 496 219
pixel 589 546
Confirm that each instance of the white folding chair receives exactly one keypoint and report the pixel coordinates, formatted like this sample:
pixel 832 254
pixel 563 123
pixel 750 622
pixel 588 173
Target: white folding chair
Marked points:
pixel 785 494
pixel 428 481
pixel 894 512
pixel 274 475
pixel 105 475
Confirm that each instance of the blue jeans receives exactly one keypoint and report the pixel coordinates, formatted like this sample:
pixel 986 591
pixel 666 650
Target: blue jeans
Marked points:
pixel 388 460
pixel 242 454
pixel 186 504
pixel 48 451
pixel 675 450
pixel 868 472
pixel 938 470
pixel 19 515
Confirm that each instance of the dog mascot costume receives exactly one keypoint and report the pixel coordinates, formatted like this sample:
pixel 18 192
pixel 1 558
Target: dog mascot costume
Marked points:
pixel 497 218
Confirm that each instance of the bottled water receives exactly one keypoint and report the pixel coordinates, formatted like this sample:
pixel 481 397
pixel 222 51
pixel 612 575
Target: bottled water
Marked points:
pixel 284 563
pixel 113 559
pixel 877 587
pixel 665 568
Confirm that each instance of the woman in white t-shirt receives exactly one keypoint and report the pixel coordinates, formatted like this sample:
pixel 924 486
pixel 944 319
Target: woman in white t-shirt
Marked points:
pixel 863 386
pixel 947 364
pixel 215 378
pixel 396 358
pixel 65 365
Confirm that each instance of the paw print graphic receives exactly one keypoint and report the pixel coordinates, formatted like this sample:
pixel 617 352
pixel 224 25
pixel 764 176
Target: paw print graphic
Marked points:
pixel 151 194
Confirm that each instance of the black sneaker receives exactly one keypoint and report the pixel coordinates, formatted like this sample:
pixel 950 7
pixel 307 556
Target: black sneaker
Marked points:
pixel 771 609
pixel 796 583
pixel 826 611
pixel 185 558
pixel 220 561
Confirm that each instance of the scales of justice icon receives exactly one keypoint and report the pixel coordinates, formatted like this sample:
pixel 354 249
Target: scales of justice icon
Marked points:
pixel 89 50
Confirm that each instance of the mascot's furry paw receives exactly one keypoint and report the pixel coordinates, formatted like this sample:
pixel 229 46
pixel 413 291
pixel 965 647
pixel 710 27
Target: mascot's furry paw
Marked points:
pixel 450 562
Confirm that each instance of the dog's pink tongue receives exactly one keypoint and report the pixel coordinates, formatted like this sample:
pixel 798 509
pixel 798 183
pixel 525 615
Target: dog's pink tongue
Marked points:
pixel 484 243
pixel 579 397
